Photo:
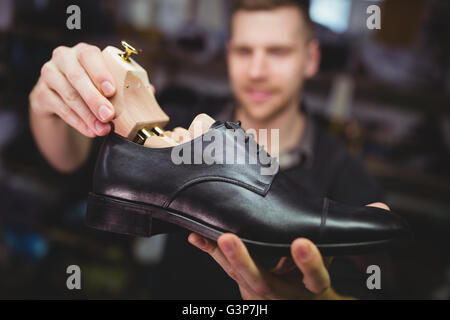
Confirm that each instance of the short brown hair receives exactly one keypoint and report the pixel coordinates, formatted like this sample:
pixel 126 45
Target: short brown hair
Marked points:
pixel 255 5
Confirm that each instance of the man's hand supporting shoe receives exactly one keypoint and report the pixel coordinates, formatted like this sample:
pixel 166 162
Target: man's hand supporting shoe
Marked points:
pixel 304 276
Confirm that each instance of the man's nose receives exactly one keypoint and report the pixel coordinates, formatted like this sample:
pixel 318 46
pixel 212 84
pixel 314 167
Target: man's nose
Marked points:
pixel 258 66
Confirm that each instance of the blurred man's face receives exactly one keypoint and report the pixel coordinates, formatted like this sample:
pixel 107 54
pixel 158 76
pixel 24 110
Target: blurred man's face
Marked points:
pixel 268 60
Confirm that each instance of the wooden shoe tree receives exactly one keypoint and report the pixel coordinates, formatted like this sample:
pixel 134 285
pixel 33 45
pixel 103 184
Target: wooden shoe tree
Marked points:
pixel 139 117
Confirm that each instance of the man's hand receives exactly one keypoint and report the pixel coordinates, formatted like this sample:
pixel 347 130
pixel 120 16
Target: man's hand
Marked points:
pixel 72 92
pixel 75 85
pixel 304 276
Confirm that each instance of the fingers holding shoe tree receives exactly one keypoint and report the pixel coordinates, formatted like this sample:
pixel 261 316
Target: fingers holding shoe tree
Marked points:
pixel 75 85
pixel 70 104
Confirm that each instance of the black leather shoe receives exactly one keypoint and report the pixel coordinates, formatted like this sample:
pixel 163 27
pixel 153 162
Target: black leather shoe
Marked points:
pixel 138 190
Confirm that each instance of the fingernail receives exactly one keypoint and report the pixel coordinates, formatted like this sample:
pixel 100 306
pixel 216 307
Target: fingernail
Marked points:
pixel 303 252
pixel 104 112
pixel 228 247
pixel 107 88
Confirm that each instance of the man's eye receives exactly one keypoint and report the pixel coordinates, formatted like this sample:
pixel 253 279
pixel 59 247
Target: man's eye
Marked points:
pixel 279 51
pixel 242 51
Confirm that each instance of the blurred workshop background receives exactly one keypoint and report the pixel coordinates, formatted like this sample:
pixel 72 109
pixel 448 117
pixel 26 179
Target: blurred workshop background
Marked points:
pixel 385 92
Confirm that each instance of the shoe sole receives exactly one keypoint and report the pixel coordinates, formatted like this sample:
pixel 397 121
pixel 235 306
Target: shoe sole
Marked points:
pixel 138 219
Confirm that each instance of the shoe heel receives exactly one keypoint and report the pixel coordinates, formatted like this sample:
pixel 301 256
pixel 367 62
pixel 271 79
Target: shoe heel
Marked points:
pixel 113 215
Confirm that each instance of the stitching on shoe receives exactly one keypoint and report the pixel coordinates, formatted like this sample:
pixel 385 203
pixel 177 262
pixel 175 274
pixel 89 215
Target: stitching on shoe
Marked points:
pixel 214 178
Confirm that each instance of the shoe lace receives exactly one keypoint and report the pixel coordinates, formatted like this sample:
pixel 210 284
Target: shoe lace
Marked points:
pixel 237 126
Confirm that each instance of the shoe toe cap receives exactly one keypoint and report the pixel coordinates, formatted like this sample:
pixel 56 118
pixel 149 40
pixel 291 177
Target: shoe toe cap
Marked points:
pixel 347 224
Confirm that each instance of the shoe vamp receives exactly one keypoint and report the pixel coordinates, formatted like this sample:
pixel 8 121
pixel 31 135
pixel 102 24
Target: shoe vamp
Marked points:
pixel 277 217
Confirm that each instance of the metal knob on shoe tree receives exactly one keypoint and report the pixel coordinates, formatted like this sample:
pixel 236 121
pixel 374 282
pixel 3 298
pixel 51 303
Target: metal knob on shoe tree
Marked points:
pixel 129 50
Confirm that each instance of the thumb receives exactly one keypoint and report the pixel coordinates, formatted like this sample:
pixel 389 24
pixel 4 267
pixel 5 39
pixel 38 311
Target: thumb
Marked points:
pixel 309 260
